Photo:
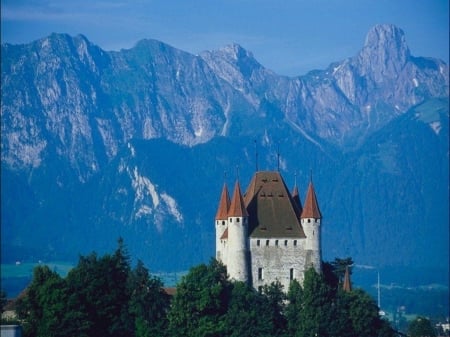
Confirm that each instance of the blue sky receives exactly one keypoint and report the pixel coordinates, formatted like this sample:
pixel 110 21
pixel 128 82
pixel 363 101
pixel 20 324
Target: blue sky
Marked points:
pixel 290 37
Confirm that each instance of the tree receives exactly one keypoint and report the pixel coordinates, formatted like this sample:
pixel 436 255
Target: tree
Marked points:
pixel 201 301
pixel 249 313
pixel 43 309
pixel 339 266
pixel 148 303
pixel 98 287
pixel 294 307
pixel 318 307
pixel 421 327
pixel 3 299
pixel 276 299
pixel 101 296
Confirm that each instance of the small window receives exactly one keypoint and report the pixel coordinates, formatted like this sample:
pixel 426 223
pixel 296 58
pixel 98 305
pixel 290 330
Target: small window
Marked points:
pixel 295 242
pixel 237 219
pixel 260 274
pixel 267 242
pixel 291 274
pixel 231 219
pixel 258 243
pixel 276 242
pixel 223 223
pixel 285 242
pixel 309 220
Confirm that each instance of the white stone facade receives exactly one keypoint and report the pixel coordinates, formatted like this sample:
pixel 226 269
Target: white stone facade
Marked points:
pixel 245 245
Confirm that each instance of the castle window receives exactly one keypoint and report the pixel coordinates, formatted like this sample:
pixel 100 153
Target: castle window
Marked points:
pixel 267 242
pixel 231 219
pixel 295 242
pixel 309 220
pixel 237 220
pixel 260 274
pixel 257 243
pixel 276 242
pixel 223 223
pixel 291 274
pixel 285 242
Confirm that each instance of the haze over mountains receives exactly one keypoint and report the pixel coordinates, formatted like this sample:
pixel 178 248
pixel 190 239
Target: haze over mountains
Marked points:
pixel 135 143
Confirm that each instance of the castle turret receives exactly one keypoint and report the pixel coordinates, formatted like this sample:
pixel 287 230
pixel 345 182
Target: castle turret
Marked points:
pixel 310 220
pixel 297 201
pixel 347 285
pixel 222 222
pixel 238 254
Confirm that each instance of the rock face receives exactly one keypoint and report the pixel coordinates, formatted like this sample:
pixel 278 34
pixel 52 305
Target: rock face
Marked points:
pixel 120 142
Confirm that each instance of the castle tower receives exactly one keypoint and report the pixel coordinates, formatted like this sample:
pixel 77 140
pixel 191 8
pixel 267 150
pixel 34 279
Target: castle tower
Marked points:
pixel 310 220
pixel 238 253
pixel 222 222
pixel 347 285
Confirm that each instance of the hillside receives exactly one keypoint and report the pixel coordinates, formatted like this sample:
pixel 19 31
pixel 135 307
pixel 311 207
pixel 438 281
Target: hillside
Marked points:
pixel 136 143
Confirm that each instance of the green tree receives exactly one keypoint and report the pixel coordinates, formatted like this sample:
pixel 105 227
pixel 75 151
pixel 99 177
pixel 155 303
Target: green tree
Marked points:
pixel 201 301
pixel 339 265
pixel 99 294
pixel 249 313
pixel 276 304
pixel 421 327
pixel 43 309
pixel 3 299
pixel 148 303
pixel 317 312
pixel 294 307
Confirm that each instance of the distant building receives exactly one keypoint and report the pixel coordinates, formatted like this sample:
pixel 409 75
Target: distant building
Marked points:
pixel 266 235
pixel 11 331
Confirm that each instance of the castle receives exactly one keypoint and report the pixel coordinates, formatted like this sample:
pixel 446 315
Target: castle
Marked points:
pixel 266 235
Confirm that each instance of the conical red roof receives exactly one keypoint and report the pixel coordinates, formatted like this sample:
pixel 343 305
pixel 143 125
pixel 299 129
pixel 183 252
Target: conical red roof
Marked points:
pixel 237 206
pixel 311 207
pixel 224 204
pixel 347 286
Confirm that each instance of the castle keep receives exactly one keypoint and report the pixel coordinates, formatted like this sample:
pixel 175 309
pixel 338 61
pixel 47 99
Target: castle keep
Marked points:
pixel 266 235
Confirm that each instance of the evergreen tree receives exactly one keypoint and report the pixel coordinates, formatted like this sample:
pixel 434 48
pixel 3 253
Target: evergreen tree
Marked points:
pixel 148 303
pixel 339 265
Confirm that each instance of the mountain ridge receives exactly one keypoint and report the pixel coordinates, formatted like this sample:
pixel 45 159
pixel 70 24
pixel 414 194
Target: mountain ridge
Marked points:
pixel 73 115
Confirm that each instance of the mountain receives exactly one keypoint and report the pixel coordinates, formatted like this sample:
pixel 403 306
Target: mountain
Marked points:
pixel 137 143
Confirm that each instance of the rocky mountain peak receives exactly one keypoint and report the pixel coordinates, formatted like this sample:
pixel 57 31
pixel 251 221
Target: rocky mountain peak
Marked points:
pixel 235 57
pixel 236 51
pixel 385 51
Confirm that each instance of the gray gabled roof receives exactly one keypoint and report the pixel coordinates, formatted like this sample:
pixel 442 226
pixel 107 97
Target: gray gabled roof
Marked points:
pixel 272 211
